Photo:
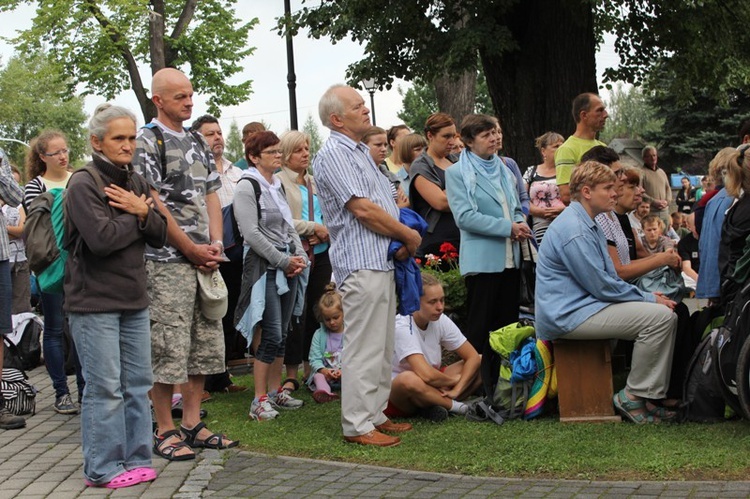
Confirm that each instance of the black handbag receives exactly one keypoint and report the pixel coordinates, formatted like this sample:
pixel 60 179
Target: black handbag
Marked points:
pixel 528 279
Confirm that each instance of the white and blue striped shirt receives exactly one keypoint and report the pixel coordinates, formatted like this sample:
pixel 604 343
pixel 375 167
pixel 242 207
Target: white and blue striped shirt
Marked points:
pixel 344 170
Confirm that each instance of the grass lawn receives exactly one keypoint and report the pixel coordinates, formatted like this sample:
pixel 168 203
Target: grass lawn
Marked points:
pixel 541 448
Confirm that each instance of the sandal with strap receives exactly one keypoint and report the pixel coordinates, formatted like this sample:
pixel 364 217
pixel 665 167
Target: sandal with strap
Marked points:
pixel 165 446
pixel 661 412
pixel 214 441
pixel 626 407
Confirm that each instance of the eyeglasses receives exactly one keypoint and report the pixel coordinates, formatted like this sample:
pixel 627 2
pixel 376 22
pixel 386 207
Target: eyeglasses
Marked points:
pixel 272 152
pixel 56 153
pixel 620 173
pixel 741 152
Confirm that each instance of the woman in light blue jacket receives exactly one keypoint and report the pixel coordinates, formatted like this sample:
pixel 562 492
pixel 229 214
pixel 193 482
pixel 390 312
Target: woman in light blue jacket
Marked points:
pixel 484 201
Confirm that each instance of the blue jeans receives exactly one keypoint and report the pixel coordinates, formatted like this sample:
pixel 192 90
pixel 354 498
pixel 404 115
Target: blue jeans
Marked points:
pixel 115 352
pixel 6 298
pixel 276 318
pixel 53 344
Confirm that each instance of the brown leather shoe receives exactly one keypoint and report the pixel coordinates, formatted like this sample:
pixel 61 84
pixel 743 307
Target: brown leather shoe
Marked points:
pixel 374 438
pixel 235 388
pixel 392 427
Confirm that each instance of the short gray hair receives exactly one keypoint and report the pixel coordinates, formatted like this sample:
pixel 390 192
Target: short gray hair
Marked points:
pixel 330 104
pixel 647 149
pixel 103 115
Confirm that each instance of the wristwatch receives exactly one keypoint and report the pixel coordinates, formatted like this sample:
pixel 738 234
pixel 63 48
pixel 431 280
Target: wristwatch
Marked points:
pixel 219 242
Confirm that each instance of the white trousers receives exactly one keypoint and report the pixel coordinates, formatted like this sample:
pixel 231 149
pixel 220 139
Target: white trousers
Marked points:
pixel 369 315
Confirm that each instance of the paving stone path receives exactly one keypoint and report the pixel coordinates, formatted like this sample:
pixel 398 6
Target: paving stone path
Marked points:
pixel 44 460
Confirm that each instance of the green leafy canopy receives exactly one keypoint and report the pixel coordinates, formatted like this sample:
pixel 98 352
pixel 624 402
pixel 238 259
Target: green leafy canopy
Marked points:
pixel 102 44
pixel 33 96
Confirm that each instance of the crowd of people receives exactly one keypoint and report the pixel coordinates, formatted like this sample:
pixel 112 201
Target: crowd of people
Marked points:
pixel 149 229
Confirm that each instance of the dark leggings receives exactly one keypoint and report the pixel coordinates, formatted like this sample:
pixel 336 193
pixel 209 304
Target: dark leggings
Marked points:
pixel 302 330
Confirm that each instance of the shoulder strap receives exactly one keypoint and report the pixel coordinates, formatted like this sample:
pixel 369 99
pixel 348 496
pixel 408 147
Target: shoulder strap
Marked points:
pixel 310 212
pixel 256 188
pixel 91 170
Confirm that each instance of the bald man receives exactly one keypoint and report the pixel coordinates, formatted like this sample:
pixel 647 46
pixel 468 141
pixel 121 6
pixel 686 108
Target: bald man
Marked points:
pixel 185 344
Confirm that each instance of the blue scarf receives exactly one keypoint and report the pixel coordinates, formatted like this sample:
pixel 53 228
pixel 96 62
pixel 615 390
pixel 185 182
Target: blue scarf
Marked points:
pixel 497 174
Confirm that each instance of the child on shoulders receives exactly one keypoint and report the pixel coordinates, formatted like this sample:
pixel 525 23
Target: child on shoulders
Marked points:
pixel 327 343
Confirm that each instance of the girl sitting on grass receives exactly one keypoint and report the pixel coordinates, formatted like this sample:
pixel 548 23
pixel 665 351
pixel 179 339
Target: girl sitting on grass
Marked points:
pixel 327 343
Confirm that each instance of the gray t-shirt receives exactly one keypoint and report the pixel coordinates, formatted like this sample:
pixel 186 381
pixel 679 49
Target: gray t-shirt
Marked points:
pixel 189 175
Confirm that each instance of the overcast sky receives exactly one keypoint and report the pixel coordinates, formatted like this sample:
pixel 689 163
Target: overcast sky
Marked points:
pixel 318 64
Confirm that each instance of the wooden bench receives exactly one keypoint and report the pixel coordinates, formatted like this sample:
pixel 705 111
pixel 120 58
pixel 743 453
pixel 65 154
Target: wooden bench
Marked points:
pixel 584 381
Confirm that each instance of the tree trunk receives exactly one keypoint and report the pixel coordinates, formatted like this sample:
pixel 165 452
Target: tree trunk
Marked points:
pixel 533 87
pixel 456 95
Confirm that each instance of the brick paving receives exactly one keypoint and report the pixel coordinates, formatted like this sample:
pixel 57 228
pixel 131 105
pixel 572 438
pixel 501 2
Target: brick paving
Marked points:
pixel 44 460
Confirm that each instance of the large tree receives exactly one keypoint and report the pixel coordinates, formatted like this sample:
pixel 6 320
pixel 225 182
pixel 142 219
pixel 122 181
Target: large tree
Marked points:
pixel 539 54
pixel 695 131
pixel 687 49
pixel 104 44
pixel 536 55
pixel 420 101
pixel 33 96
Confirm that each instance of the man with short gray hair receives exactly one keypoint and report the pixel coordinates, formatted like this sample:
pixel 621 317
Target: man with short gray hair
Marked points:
pixel 362 218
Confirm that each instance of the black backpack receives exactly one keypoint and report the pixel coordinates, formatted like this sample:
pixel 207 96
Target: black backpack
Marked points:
pixel 703 400
pixel 729 342
pixel 27 354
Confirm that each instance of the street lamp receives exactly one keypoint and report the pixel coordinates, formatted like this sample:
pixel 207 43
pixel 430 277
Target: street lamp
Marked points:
pixel 370 86
pixel 291 77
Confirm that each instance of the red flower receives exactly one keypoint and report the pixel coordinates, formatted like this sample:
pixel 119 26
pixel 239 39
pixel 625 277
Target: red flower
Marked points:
pixel 448 248
pixel 418 260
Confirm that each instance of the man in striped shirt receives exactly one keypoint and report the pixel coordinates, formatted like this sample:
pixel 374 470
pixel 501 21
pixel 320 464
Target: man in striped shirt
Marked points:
pixel 362 219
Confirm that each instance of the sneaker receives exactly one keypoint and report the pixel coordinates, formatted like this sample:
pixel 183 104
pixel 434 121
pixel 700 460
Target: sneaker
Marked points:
pixel 434 413
pixel 64 405
pixel 286 401
pixel 262 410
pixel 9 421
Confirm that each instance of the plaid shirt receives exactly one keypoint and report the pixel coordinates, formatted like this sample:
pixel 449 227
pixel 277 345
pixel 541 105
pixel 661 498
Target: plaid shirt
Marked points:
pixel 10 194
pixel 229 176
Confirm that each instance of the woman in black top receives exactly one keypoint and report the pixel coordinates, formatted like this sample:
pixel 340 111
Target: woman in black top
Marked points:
pixel 427 189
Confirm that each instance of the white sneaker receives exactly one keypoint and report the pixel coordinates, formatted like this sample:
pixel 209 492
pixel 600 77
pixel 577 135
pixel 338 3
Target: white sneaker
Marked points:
pixel 286 401
pixel 262 410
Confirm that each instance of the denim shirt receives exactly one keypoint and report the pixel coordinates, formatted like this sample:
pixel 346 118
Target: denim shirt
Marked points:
pixel 575 276
pixel 709 285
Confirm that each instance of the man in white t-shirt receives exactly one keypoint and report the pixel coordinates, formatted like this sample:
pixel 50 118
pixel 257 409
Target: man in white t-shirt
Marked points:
pixel 421 385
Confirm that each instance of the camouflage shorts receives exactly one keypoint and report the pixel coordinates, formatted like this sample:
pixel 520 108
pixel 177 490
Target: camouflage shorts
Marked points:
pixel 183 341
